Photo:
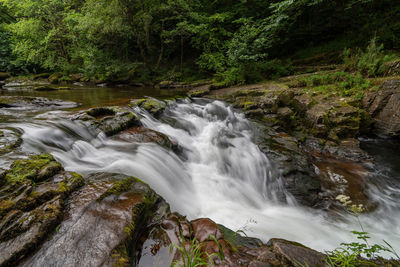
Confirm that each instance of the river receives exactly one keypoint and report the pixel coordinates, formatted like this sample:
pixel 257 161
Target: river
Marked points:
pixel 219 173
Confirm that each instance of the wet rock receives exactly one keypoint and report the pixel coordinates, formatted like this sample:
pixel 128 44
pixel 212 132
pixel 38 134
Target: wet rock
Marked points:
pixel 31 204
pixel 144 135
pixel 294 167
pixel 153 106
pixel 110 120
pixel 296 253
pixel 22 102
pixel 9 140
pixel 204 228
pixel 239 240
pixel 105 223
pixel 383 106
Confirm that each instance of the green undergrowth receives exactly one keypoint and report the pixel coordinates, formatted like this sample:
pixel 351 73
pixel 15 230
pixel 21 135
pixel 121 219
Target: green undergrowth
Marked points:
pixel 337 83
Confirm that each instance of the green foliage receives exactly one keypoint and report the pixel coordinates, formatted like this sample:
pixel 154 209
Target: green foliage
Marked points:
pixel 360 253
pixel 250 73
pixel 370 62
pixel 192 254
pixel 341 83
pixel 144 40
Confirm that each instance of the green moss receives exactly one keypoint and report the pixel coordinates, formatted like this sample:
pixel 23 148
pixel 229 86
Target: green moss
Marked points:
pixel 5 206
pixel 249 93
pixel 34 168
pixel 120 187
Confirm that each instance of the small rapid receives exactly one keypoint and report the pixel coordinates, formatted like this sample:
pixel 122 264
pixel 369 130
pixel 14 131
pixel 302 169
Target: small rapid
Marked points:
pixel 219 173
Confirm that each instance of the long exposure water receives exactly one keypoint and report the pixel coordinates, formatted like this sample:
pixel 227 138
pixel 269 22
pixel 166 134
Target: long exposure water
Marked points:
pixel 220 173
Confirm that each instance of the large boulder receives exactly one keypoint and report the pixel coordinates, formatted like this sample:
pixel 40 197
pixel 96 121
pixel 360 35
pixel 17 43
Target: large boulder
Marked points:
pixel 110 120
pixel 383 106
pixel 106 220
pixel 151 105
pixel 32 196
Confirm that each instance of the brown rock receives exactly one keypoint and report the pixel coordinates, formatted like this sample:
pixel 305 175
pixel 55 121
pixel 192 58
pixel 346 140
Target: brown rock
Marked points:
pixel 203 228
pixel 296 253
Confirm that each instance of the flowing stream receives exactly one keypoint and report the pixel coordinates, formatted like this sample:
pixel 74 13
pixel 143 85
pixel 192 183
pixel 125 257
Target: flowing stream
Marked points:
pixel 220 173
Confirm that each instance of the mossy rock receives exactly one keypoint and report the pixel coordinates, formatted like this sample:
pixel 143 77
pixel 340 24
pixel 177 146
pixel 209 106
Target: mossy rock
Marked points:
pixel 151 105
pixel 123 120
pixel 101 111
pixel 35 168
pixel 41 76
pixel 125 185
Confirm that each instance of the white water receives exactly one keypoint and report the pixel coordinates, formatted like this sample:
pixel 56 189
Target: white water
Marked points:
pixel 222 174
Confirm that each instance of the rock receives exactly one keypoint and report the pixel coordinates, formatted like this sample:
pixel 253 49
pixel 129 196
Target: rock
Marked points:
pixel 285 114
pixel 110 120
pixel 9 140
pixel 200 91
pixel 318 114
pixel 77 77
pixel 172 84
pixel 383 106
pixel 41 76
pixel 239 240
pixel 144 135
pixel 30 103
pixel 259 264
pixel 153 106
pixel 392 68
pixel 31 204
pixel 204 228
pixel 4 75
pixel 105 224
pixel 55 77
pixel 296 253
pixel 301 103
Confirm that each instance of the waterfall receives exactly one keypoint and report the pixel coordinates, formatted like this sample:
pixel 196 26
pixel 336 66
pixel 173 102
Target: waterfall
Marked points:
pixel 219 173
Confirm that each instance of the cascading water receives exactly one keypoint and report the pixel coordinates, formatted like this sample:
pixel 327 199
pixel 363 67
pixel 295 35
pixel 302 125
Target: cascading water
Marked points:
pixel 220 173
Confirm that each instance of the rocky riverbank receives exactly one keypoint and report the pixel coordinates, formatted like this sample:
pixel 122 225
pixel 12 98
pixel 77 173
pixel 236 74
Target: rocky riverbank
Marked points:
pixel 49 216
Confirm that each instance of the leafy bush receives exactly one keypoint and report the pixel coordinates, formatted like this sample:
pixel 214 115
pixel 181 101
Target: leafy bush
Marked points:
pixel 370 62
pixel 193 256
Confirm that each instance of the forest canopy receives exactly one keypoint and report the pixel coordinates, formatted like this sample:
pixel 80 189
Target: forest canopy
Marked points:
pixel 183 39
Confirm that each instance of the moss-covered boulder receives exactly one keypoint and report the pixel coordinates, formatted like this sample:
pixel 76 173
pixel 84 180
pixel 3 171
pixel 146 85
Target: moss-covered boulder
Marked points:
pixel 110 120
pixel 55 77
pixel 107 221
pixel 32 196
pixel 153 106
